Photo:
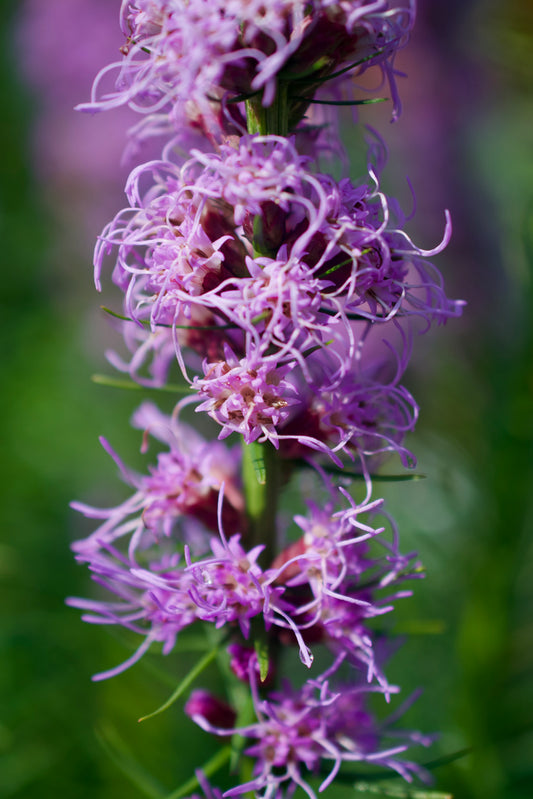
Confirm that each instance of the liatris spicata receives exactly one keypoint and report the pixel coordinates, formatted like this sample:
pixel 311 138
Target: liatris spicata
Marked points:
pixel 288 302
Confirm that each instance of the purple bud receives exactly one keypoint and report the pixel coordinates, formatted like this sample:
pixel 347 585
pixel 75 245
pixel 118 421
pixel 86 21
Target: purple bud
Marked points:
pixel 214 710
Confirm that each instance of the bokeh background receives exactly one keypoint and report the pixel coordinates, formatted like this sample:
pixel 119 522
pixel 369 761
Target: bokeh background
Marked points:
pixel 466 142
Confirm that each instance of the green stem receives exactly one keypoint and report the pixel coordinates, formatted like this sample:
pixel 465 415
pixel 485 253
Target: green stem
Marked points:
pixel 260 463
pixel 271 120
pixel 261 480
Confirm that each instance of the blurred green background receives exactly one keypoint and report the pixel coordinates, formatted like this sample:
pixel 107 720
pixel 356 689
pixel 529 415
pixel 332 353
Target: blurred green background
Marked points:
pixel 466 140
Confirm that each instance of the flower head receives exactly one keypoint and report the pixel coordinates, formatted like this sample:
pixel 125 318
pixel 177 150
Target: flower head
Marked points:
pixel 334 580
pixel 184 483
pixel 247 249
pixel 186 59
pixel 249 396
pixel 299 730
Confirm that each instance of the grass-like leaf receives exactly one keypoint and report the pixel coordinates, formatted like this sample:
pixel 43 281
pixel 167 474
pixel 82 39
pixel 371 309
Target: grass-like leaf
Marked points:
pixel 361 317
pixel 445 760
pixel 388 776
pixel 377 478
pixel 308 76
pixel 187 681
pixel 160 324
pixel 421 627
pixel 131 385
pixel 400 791
pixel 123 318
pixel 339 72
pixel 261 650
pixel 312 101
pixel 238 98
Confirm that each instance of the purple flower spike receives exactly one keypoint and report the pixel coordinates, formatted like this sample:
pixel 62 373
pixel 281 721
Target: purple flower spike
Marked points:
pixel 289 300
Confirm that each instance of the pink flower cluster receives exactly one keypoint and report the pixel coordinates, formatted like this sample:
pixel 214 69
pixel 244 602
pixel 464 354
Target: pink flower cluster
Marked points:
pixel 287 302
pixel 186 64
pixel 287 272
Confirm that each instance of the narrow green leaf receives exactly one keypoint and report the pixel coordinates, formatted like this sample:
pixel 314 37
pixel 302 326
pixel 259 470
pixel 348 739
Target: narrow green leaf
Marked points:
pixel 260 317
pixel 159 324
pixel 131 385
pixel 356 317
pixel 421 627
pixel 300 77
pixel 377 777
pixel 115 314
pixel 239 98
pixel 337 266
pixel 343 263
pixel 311 350
pixel 261 650
pixel 209 768
pixel 312 101
pixel 400 791
pixel 445 760
pixel 308 352
pixel 345 69
pixel 187 681
pixel 112 382
pixel 151 662
pixel 377 478
pixel 407 573
pixel 396 478
pixel 118 752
